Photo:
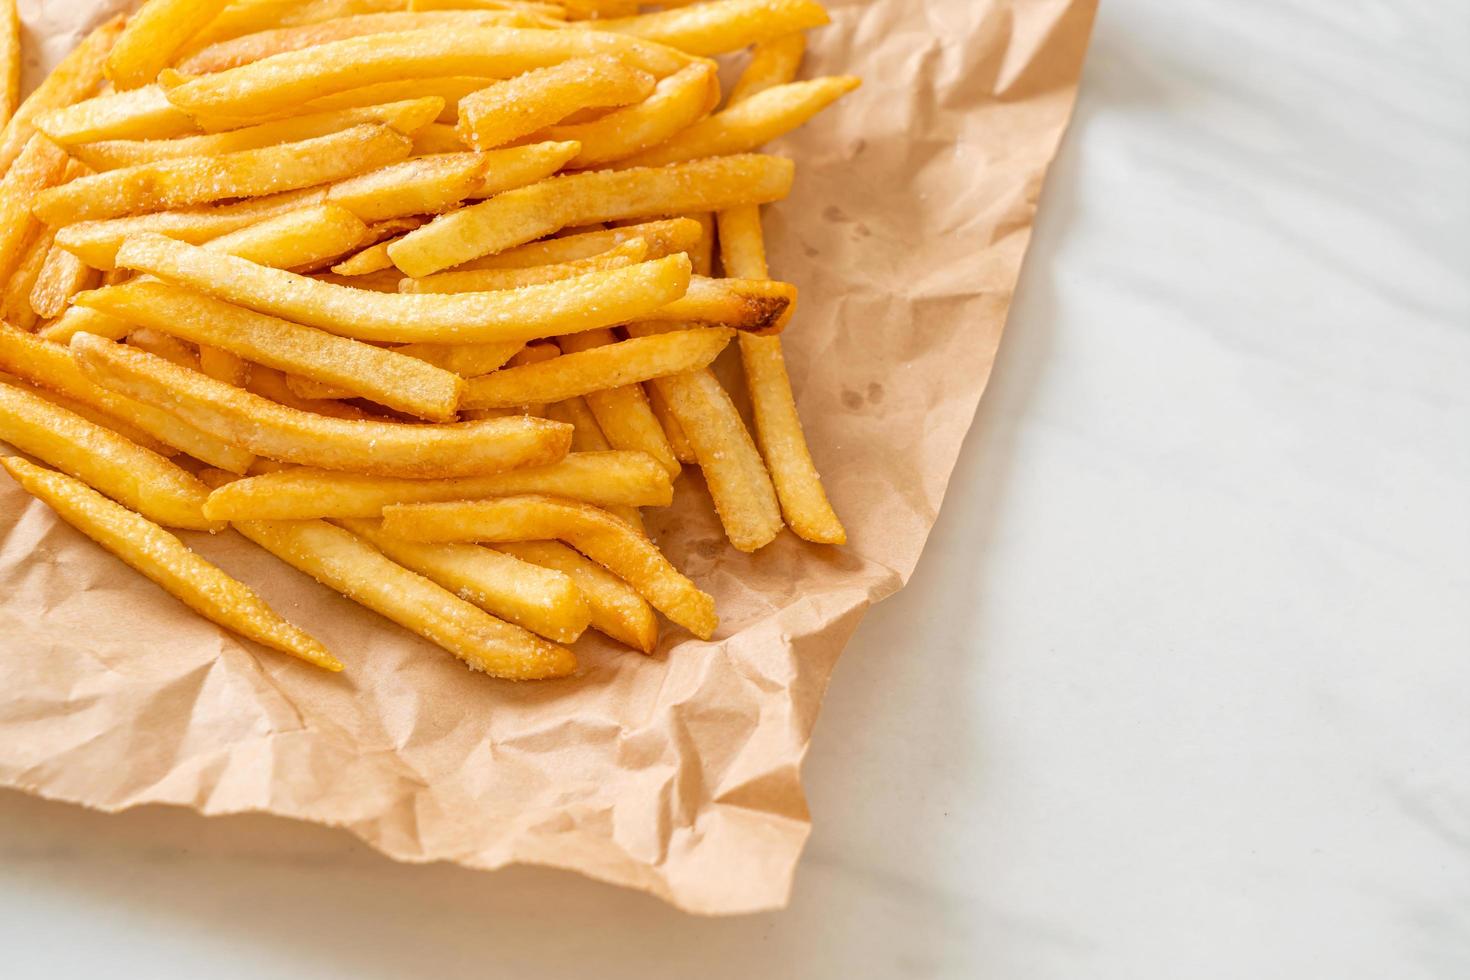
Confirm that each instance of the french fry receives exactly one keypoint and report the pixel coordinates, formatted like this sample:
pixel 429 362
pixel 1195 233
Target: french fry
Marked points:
pixel 629 253
pixel 199 180
pixel 273 386
pixel 749 305
pixel 677 102
pixel 595 9
pixel 531 596
pixel 605 479
pixel 551 10
pixel 372 259
pixel 678 441
pixel 79 319
pixel 584 303
pixel 135 477
pixel 342 561
pixel 517 166
pixel 756 121
pixel 75 78
pixel 610 542
pixel 375 373
pixel 38 167
pixel 249 48
pixel 253 16
pixel 534 353
pixel 774 62
pixel 165 559
pixel 296 238
pixel 159 344
pixel 533 212
pixel 520 106
pixel 154 35
pixel 287 80
pixel 9 60
pixel 406 117
pixel 449 90
pixel 777 425
pixel 140 114
pixel 15 306
pixel 271 430
pixel 465 360
pixel 96 242
pixel 622 413
pixel 93 414
pixel 625 362
pixel 617 610
pixel 221 365
pixel 61 277
pixel 720 26
pixel 661 238
pixel 438 138
pixel 587 438
pixel 51 366
pixel 423 185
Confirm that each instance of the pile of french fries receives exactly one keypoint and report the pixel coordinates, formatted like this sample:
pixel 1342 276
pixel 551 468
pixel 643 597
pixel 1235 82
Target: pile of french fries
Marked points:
pixel 417 295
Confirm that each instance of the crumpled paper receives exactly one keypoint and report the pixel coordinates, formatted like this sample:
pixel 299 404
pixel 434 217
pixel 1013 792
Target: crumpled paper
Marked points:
pixel 677 774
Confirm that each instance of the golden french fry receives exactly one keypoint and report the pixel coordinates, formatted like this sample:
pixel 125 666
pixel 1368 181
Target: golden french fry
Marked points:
pixel 617 609
pixel 661 238
pixel 92 414
pixel 286 80
pixel 406 117
pixel 754 122
pixel 199 180
pixel 606 479
pixel 51 366
pixel 221 365
pixel 531 596
pixel 96 242
pixel 594 9
pixel 678 441
pixel 79 319
pixel 15 304
pixel 612 543
pixel 140 114
pixel 171 349
pixel 486 280
pixel 449 90
pixel 275 431
pixel 534 353
pixel 749 305
pixel 39 166
pixel 438 138
pixel 240 19
pixel 372 259
pixel 587 437
pixel 517 166
pixel 9 60
pixel 272 385
pixel 720 26
pixel 249 48
pixel 423 185
pixel 549 10
pixel 623 414
pixel 533 212
pixel 75 78
pixel 465 360
pixel 375 373
pixel 136 477
pixel 62 276
pixel 296 238
pixel 773 406
pixel 168 562
pixel 519 106
pixel 624 362
pixel 157 32
pixel 677 102
pixel 774 62
pixel 572 305
pixel 342 561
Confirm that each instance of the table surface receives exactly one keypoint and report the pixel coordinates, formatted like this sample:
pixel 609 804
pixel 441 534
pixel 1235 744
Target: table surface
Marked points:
pixel 1181 687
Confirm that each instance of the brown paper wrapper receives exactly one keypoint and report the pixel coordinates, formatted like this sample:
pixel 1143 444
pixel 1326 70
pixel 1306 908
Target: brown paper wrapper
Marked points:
pixel 677 774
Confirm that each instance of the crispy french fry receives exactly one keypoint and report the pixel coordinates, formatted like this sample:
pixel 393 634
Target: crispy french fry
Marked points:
pixel 135 477
pixel 529 213
pixel 622 413
pixel 749 305
pixel 617 609
pixel 79 319
pixel 286 80
pixel 584 303
pixel 549 10
pixel 678 441
pixel 423 185
pixel 141 114
pixel 438 138
pixel 296 238
pixel 778 427
pixel 595 9
pixel 629 253
pixel 96 242
pixel 517 166
pixel 159 344
pixel 449 90
pixel 272 385
pixel 375 373
pixel 406 117
pixel 534 353
pixel 9 60
pixel 165 559
pixel 93 414
pixel 677 102
pixel 612 543
pixel 519 106
pixel 250 48
pixel 75 78
pixel 199 180
pixel 253 16
pixel 39 166
pixel 774 62
pixel 625 362
pixel 271 430
pixel 465 360
pixel 221 365
pixel 587 436
pixel 372 259
pixel 531 596
pixel 154 35
pixel 661 238
pixel 376 282
pixel 605 479
pixel 51 366
pixel 342 561
pixel 15 305
pixel 61 277
pixel 720 26
pixel 754 122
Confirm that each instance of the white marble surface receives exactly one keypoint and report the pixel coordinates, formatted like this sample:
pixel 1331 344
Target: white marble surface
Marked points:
pixel 1182 687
